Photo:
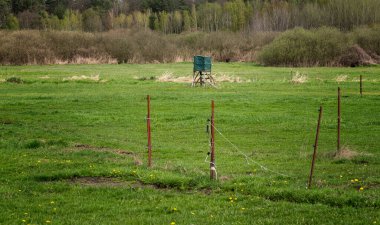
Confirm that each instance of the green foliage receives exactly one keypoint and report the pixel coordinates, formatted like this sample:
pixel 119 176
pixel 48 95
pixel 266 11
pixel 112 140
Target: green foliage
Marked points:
pixel 12 22
pixel 33 144
pixel 92 21
pixel 236 13
pixel 209 16
pixel 5 9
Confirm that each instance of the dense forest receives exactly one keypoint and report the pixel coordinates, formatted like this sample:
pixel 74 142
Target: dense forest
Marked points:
pixel 177 16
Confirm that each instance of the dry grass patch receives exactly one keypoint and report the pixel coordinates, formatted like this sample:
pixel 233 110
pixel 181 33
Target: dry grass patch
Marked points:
pixel 83 77
pixel 298 78
pixel 341 78
pixel 169 77
pixel 346 153
pixel 93 60
pixel 226 78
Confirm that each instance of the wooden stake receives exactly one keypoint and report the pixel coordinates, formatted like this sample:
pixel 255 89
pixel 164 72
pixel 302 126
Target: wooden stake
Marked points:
pixel 149 134
pixel 212 160
pixel 361 86
pixel 339 118
pixel 315 148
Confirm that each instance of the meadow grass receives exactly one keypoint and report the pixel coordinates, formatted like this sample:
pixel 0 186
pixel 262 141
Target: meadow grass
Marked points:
pixel 74 151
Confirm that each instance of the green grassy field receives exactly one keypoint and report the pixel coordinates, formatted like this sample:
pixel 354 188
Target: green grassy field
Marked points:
pixel 74 151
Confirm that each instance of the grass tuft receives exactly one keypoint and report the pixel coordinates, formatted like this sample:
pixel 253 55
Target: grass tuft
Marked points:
pixel 15 80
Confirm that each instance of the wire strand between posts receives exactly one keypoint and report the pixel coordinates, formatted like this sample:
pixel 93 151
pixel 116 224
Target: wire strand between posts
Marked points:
pixel 248 158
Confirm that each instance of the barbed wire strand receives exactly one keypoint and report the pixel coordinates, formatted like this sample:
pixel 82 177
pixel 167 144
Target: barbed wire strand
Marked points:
pixel 248 158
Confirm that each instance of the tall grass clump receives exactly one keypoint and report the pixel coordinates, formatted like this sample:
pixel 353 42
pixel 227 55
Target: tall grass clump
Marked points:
pixel 300 47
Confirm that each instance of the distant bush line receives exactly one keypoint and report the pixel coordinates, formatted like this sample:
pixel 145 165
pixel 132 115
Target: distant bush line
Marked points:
pixel 297 47
pixel 126 46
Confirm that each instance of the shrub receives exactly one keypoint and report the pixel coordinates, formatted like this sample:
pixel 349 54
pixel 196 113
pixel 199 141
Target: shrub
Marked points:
pixel 24 47
pixel 33 144
pixel 300 47
pixel 368 38
pixel 16 80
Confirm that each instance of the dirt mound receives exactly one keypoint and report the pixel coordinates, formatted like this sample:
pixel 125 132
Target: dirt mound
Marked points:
pixel 357 56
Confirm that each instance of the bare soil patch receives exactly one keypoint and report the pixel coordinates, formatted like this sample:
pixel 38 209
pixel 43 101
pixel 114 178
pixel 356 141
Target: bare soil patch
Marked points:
pixel 98 181
pixel 137 161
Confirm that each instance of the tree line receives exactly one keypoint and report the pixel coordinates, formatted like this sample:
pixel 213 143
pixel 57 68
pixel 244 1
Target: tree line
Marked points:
pixel 177 16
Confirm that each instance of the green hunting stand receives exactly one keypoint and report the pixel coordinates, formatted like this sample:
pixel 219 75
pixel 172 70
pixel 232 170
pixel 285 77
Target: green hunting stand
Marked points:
pixel 202 71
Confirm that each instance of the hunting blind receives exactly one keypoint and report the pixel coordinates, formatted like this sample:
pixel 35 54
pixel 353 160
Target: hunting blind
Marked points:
pixel 202 71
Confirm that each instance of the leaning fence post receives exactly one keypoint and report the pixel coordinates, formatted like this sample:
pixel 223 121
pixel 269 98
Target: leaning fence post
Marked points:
pixel 315 148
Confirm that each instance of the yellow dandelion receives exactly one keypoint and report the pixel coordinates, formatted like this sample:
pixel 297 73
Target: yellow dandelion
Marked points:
pixel 24 221
pixel 243 209
pixel 174 209
pixel 52 202
pixel 230 198
pixel 356 180
pixel 48 221
pixel 172 223
pixel 361 188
